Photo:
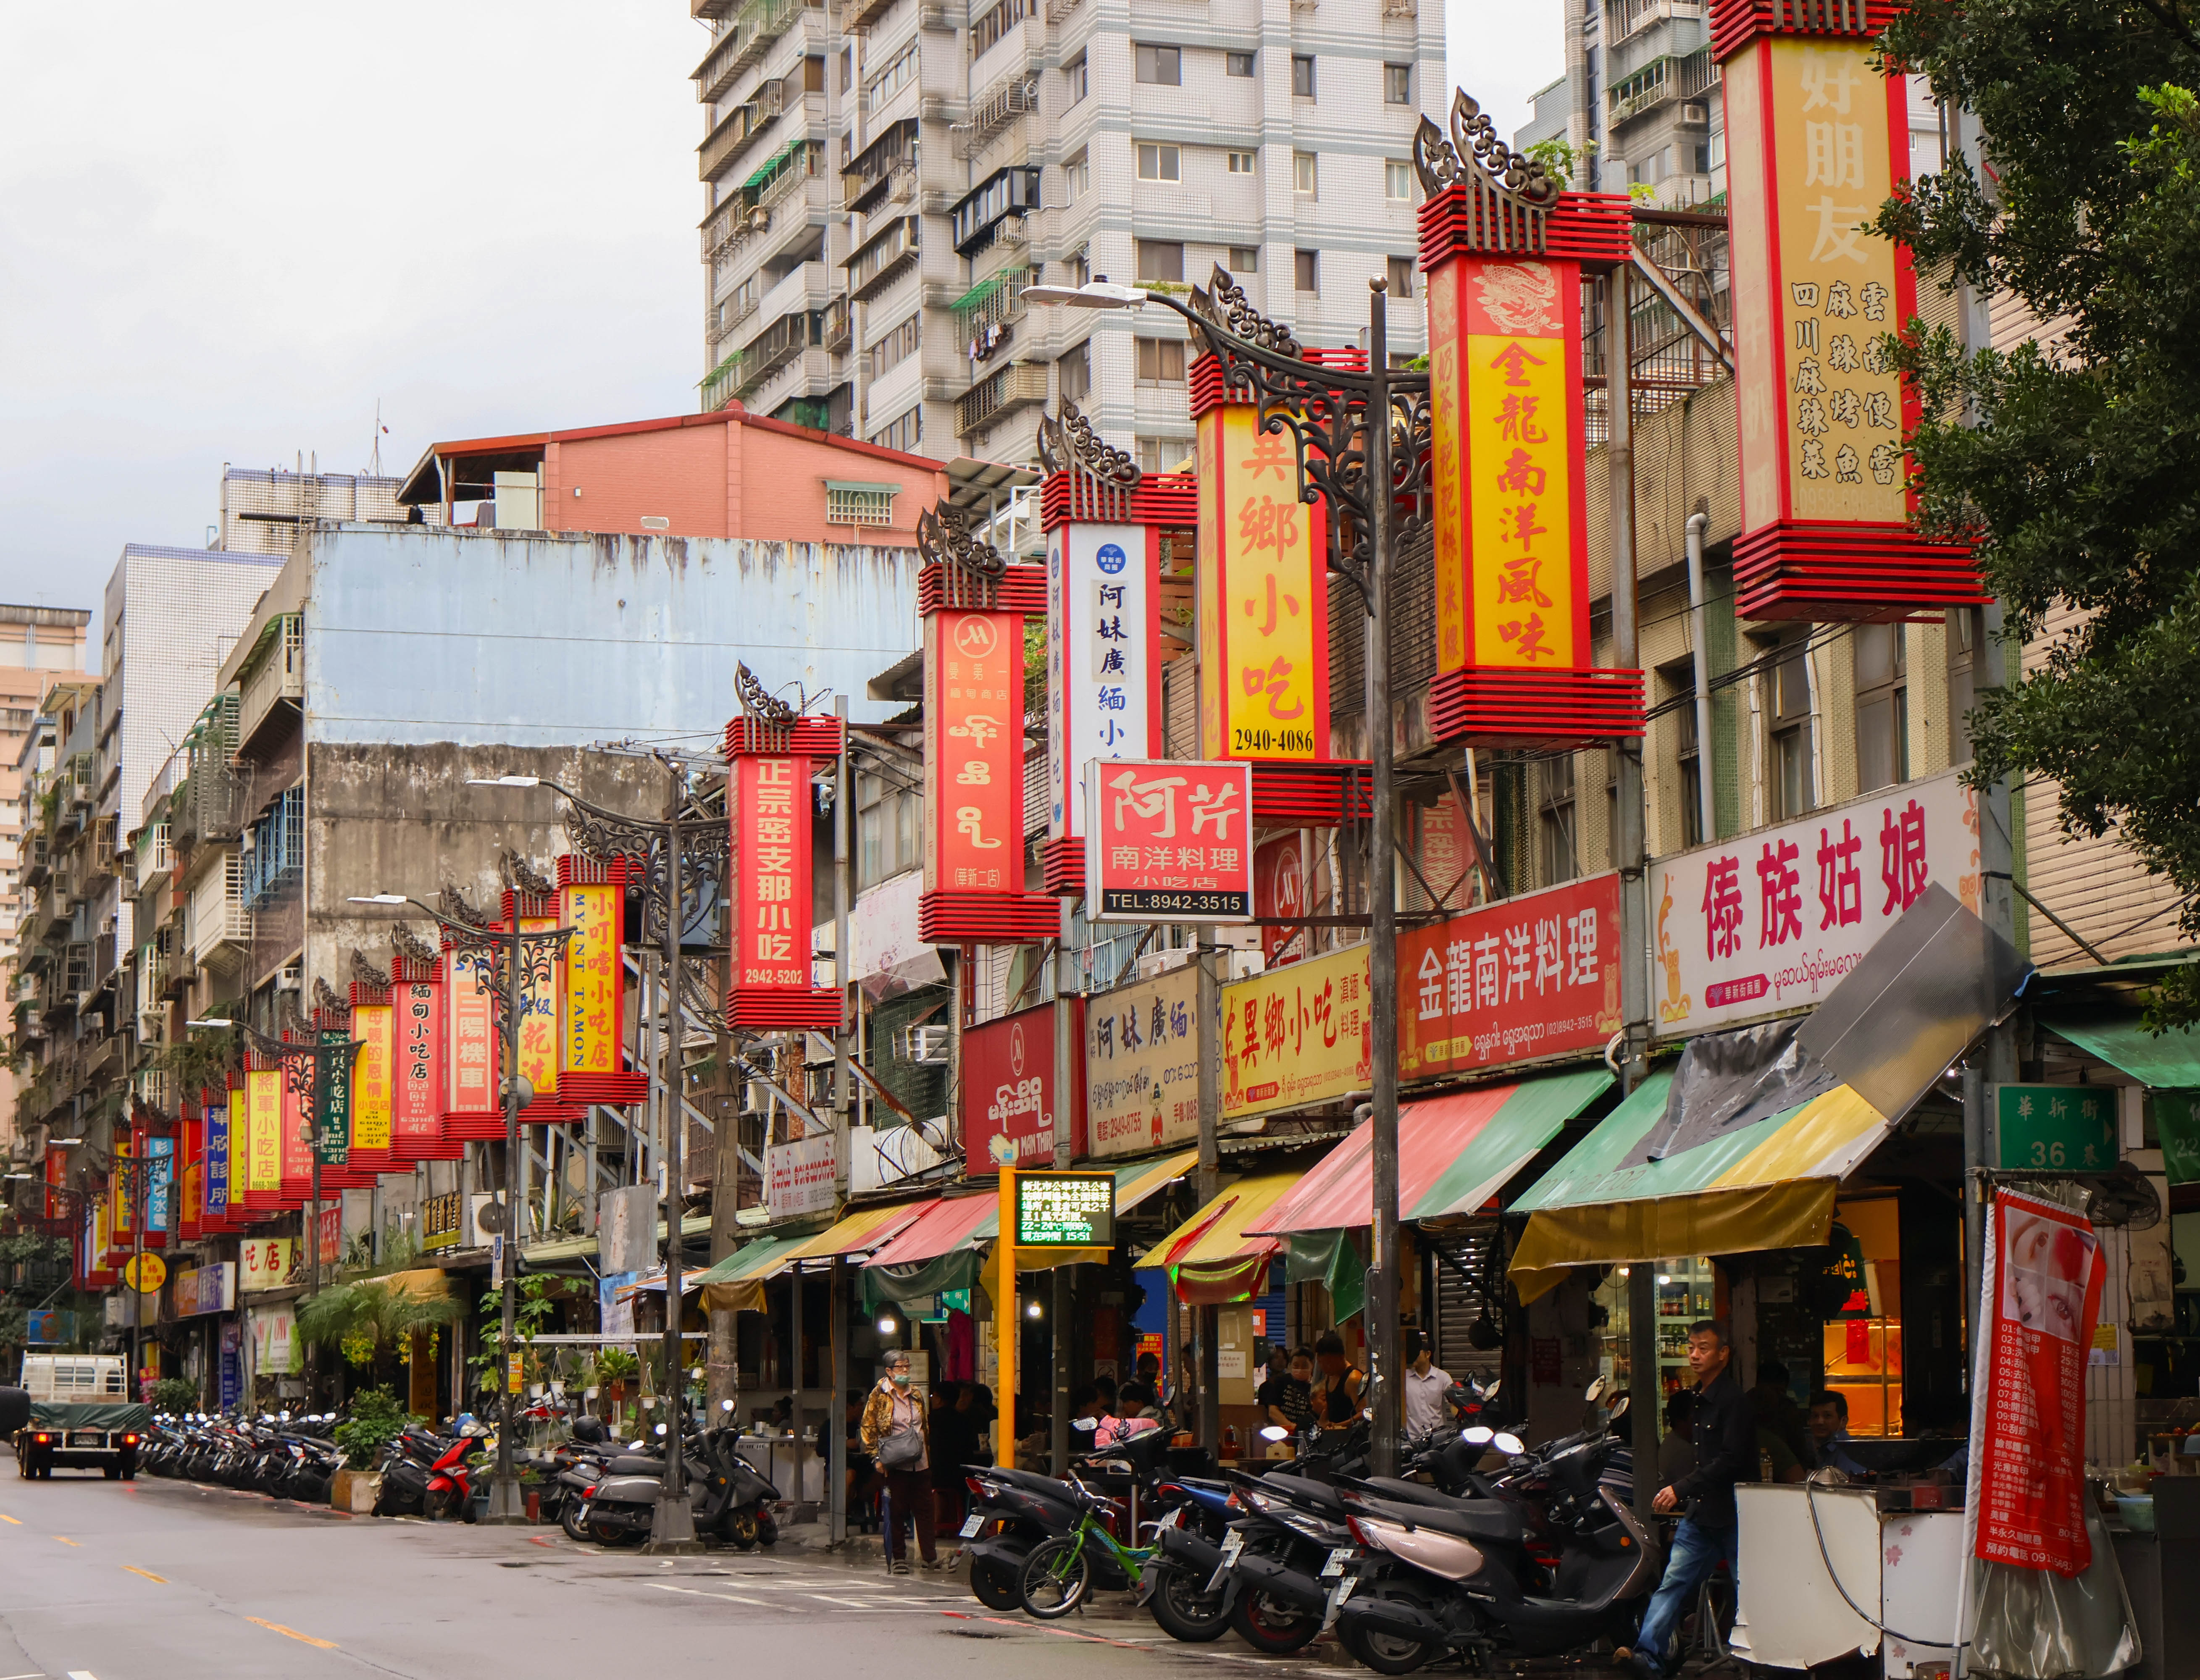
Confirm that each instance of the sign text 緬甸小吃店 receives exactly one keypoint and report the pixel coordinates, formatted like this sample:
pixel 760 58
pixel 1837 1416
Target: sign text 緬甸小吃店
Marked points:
pixel 1065 1209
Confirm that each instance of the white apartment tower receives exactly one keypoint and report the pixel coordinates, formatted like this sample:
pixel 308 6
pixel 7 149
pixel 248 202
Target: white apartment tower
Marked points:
pixel 883 178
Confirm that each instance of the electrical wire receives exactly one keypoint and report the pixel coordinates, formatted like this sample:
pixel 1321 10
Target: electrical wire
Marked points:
pixel 1811 1498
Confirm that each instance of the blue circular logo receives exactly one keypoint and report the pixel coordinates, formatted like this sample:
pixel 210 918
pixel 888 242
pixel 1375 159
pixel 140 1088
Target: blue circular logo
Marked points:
pixel 1112 559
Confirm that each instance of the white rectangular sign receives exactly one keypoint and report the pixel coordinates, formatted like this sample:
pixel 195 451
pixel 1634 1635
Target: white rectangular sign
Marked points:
pixel 797 1176
pixel 1769 923
pixel 1099 653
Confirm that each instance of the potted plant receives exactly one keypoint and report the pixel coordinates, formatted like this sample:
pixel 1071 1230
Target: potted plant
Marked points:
pixel 375 1421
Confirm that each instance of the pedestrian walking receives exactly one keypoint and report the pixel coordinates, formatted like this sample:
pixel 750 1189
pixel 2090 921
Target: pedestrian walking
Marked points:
pixel 895 1432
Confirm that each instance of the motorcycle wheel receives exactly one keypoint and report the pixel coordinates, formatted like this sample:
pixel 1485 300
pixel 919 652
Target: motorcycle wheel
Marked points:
pixel 994 1584
pixel 1269 1628
pixel 767 1529
pixel 604 1534
pixel 1384 1653
pixel 1185 1612
pixel 439 1504
pixel 1056 1578
pixel 740 1528
pixel 570 1521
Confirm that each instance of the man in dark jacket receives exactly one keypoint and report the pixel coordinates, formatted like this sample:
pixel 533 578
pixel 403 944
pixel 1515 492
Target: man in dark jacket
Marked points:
pixel 1725 1431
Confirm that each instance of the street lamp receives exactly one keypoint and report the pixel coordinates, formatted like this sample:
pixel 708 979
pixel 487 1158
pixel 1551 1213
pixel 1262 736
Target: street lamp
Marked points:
pixel 1342 422
pixel 504 961
pixel 663 853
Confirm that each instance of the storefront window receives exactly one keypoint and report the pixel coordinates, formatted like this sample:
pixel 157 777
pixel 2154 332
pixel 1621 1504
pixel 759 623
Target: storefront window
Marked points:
pixel 1864 1342
pixel 1687 1291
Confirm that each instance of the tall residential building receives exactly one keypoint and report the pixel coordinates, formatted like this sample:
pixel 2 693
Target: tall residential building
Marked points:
pixel 882 178
pixel 37 646
pixel 1647 94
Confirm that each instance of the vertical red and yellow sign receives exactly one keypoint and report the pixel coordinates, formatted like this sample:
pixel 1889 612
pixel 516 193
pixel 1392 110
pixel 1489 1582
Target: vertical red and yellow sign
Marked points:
pixel 539 997
pixel 974 772
pixel 416 1084
pixel 472 1038
pixel 297 1149
pixel 1511 538
pixel 373 1025
pixel 1263 595
pixel 590 1029
pixel 263 1099
pixel 772 873
pixel 1817 138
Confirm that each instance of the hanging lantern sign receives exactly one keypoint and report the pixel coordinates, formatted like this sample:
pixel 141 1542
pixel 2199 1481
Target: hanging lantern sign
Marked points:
pixel 1817 139
pixel 592 1026
pixel 1504 249
pixel 769 750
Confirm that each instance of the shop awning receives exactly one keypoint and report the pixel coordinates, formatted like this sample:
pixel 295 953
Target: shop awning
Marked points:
pixel 582 1248
pixel 1214 1257
pixel 939 1252
pixel 1454 1153
pixel 1769 1185
pixel 735 1284
pixel 860 1231
pixel 2169 1063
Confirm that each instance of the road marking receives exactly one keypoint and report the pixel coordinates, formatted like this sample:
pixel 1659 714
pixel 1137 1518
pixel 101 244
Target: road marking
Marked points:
pixel 697 1592
pixel 540 1540
pixel 75 1674
pixel 134 1570
pixel 5 1518
pixel 292 1633
pixel 65 1540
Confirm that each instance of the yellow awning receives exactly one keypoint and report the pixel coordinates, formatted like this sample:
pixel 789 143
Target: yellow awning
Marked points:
pixel 1766 1186
pixel 858 1232
pixel 1209 1256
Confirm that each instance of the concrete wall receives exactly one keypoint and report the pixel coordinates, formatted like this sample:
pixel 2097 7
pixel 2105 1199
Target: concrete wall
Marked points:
pixel 415 634
pixel 718 475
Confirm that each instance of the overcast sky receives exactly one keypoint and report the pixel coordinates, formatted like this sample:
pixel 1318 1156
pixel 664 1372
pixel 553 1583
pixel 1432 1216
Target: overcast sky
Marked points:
pixel 228 230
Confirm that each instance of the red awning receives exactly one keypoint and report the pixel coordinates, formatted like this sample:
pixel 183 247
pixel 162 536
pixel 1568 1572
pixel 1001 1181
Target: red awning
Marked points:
pixel 946 1225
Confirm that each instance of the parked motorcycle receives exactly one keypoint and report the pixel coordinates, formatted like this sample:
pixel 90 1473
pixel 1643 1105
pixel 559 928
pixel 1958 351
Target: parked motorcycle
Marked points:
pixel 732 1503
pixel 1548 1562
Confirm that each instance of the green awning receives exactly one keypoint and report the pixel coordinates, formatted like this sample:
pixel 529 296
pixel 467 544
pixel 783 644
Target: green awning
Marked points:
pixel 1765 1186
pixel 2169 1063
pixel 979 292
pixel 769 166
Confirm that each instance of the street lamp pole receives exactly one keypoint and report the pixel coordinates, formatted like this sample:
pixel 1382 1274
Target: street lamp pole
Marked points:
pixel 1342 422
pixel 663 851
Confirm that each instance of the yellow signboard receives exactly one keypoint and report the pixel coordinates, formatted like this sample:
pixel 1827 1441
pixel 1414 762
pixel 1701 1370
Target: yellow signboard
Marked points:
pixel 263 1104
pixel 538 1018
pixel 592 980
pixel 374 1025
pixel 1295 1036
pixel 145 1273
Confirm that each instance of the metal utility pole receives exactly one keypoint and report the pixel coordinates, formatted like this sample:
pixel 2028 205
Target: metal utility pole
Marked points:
pixel 504 1504
pixel 836 1433
pixel 1059 1309
pixel 672 1529
pixel 1208 1000
pixel 1385 1389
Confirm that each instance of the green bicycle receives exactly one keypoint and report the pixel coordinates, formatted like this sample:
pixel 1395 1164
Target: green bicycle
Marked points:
pixel 1062 1571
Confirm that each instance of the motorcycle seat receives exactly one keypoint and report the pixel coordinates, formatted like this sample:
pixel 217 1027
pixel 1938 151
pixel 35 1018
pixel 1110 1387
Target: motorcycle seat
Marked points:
pixel 1404 1492
pixel 1482 1520
pixel 635 1464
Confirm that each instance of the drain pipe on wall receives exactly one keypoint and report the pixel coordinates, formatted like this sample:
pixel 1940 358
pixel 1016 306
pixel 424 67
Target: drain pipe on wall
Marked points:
pixel 1706 802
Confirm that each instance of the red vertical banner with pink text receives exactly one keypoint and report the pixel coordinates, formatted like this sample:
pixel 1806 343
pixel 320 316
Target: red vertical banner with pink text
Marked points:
pixel 2041 1295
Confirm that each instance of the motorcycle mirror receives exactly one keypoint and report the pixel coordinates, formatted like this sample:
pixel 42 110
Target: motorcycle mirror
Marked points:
pixel 1511 1445
pixel 1480 1435
pixel 1491 1392
pixel 1275 1431
pixel 635 1446
pixel 660 1429
pixel 1619 1409
pixel 1084 1423
pixel 1596 1390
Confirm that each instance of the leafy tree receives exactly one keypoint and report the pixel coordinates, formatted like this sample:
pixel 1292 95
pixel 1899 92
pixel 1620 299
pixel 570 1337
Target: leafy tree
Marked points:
pixel 175 1394
pixel 375 1421
pixel 2074 469
pixel 372 1321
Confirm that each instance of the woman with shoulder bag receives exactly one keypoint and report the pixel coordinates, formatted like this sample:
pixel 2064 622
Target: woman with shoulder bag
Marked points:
pixel 896 1433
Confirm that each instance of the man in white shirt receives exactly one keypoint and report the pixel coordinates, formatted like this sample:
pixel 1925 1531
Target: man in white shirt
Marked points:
pixel 1426 1383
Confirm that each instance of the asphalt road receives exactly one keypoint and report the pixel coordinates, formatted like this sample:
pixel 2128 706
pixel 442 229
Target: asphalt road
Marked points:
pixel 158 1580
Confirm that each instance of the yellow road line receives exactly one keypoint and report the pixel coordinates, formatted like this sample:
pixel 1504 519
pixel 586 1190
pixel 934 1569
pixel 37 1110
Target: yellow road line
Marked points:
pixel 5 1518
pixel 65 1540
pixel 292 1633
pixel 134 1570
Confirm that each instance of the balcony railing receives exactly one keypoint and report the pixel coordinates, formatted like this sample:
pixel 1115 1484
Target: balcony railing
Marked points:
pixel 882 256
pixel 155 856
pixel 220 925
pixel 993 398
pixel 279 673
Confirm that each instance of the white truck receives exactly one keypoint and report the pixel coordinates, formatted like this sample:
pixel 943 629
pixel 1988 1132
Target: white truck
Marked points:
pixel 74 1411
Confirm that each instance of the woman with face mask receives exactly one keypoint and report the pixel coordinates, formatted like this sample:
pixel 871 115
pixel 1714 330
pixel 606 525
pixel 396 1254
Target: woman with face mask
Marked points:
pixel 897 1433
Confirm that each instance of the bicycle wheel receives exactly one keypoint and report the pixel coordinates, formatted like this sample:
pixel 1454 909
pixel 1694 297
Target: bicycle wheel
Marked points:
pixel 1058 1576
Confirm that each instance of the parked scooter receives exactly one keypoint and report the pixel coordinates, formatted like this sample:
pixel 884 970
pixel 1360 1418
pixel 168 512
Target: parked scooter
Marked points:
pixel 408 1463
pixel 731 1501
pixel 1549 1563
pixel 452 1478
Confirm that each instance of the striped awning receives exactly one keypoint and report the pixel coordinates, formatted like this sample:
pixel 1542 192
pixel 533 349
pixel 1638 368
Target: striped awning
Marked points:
pixel 735 1284
pixel 1454 1153
pixel 1769 1185
pixel 859 1231
pixel 1214 1258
